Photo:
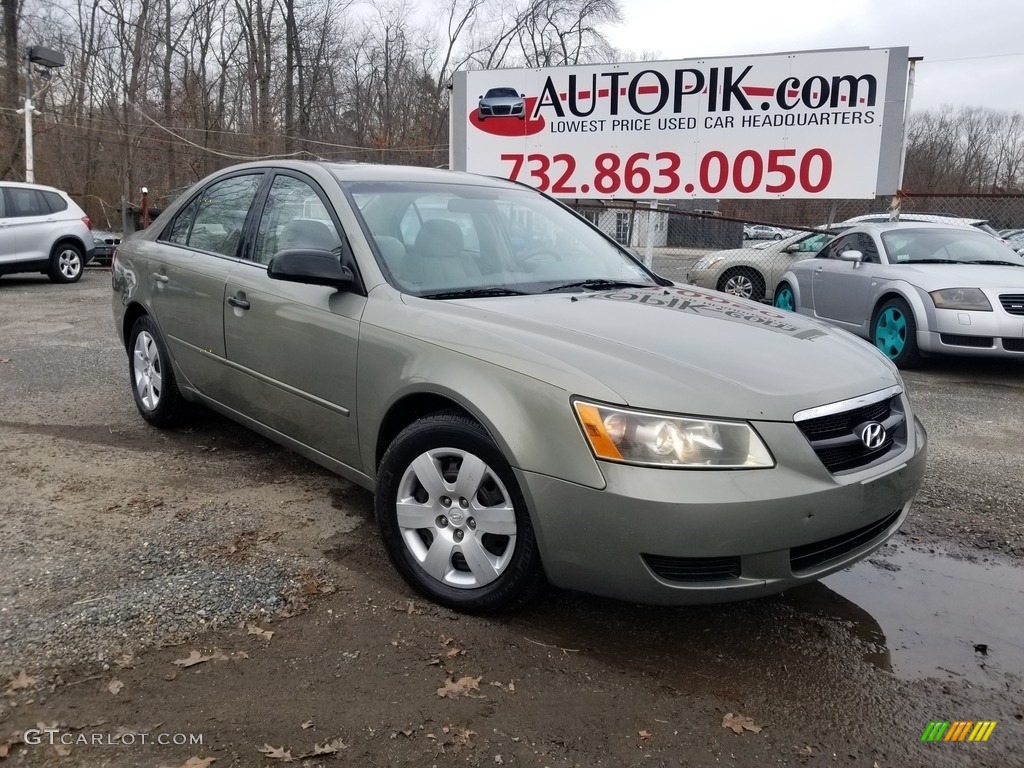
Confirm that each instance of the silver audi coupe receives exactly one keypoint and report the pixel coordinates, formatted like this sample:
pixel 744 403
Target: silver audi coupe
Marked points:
pixel 528 403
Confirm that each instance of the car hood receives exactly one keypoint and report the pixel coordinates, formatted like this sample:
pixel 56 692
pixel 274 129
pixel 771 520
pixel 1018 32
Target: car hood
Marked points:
pixel 931 277
pixel 674 349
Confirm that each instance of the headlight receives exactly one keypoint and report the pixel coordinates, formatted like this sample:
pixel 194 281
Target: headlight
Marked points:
pixel 961 298
pixel 707 262
pixel 656 439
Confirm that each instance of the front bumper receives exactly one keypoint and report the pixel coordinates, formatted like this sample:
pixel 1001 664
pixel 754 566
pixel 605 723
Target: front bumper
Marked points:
pixel 992 334
pixel 676 537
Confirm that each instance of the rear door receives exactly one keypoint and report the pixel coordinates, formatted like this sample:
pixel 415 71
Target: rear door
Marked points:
pixel 188 266
pixel 291 347
pixel 8 249
pixel 28 217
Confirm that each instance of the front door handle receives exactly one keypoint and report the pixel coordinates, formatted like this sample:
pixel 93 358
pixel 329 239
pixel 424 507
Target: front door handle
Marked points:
pixel 234 301
pixel 161 278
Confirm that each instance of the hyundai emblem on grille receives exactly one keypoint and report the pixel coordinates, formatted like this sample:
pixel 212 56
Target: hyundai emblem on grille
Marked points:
pixel 872 435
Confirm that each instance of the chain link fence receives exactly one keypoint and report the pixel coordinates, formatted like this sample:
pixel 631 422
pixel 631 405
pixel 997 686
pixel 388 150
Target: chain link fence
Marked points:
pixel 744 247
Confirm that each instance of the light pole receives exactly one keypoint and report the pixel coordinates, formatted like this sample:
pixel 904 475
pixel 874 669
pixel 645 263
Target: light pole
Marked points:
pixel 47 59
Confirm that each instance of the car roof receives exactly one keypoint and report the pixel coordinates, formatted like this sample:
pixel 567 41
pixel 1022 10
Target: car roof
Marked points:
pixel 346 172
pixel 916 216
pixel 29 185
pixel 889 226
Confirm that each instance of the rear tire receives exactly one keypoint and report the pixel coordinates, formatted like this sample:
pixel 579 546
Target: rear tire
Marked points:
pixel 66 263
pixel 453 519
pixel 152 376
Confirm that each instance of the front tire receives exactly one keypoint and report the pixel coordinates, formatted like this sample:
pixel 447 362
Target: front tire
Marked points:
pixel 744 282
pixel 453 519
pixel 152 376
pixel 66 263
pixel 784 298
pixel 894 332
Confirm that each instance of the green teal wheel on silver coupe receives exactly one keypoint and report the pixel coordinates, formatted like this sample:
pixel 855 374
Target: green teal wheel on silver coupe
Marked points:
pixel 894 331
pixel 784 298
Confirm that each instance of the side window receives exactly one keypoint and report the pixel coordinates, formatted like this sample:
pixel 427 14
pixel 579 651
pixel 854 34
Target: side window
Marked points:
pixel 838 246
pixel 221 212
pixel 3 206
pixel 294 216
pixel 55 202
pixel 178 230
pixel 25 202
pixel 865 243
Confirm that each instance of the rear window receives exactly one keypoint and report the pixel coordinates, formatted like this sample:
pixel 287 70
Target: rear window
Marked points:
pixel 55 201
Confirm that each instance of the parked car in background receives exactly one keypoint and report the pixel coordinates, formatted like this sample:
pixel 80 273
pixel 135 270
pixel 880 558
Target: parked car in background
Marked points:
pixel 913 288
pixel 1016 241
pixel 764 232
pixel 550 412
pixel 501 102
pixel 105 242
pixel 753 272
pixel 43 230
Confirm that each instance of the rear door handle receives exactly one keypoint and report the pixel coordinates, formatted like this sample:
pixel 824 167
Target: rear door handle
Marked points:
pixel 161 278
pixel 234 301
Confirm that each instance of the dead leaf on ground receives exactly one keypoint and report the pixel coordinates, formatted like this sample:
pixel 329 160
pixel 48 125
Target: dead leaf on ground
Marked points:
pixel 327 748
pixel 644 735
pixel 193 762
pixel 464 737
pixel 197 657
pixel 464 686
pixel 307 725
pixel 20 682
pixel 740 723
pixel 276 753
pixel 115 686
pixel 255 629
pixel 127 661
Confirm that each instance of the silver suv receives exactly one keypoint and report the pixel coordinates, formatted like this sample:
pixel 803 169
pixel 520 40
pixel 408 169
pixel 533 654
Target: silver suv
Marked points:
pixel 43 230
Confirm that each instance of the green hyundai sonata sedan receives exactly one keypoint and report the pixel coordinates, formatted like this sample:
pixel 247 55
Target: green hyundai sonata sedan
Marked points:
pixel 528 403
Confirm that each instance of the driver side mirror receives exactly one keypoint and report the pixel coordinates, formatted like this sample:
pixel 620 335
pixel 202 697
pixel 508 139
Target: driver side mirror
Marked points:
pixel 854 256
pixel 311 266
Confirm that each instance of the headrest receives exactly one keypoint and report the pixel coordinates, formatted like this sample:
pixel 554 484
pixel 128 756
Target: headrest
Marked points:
pixel 439 238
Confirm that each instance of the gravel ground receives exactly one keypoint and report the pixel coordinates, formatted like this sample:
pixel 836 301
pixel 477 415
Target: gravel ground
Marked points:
pixel 125 549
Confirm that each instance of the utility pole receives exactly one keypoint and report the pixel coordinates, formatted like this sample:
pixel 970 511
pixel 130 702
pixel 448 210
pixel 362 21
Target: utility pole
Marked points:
pixel 46 59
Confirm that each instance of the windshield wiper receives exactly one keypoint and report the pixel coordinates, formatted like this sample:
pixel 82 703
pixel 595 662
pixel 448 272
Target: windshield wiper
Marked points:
pixel 469 293
pixel 1000 263
pixel 600 284
pixel 933 261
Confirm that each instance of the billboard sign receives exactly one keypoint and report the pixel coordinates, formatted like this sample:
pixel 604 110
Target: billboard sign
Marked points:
pixel 808 124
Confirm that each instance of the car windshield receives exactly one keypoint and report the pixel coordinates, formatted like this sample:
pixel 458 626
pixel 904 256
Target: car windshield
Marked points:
pixel 947 245
pixel 440 240
pixel 496 93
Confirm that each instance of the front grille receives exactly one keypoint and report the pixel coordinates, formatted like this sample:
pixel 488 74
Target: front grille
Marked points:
pixel 1013 345
pixel 501 109
pixel 821 552
pixel 1013 303
pixel 836 440
pixel 693 568
pixel 956 340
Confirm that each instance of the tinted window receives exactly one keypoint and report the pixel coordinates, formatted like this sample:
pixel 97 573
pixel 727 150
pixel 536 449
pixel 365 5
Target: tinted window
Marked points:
pixel 55 202
pixel 220 214
pixel 25 202
pixel 857 241
pixel 178 231
pixel 294 216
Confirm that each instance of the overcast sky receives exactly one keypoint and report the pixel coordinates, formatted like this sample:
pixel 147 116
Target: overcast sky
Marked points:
pixel 973 50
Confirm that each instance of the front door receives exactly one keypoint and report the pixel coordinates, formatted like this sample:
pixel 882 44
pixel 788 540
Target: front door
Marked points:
pixel 292 347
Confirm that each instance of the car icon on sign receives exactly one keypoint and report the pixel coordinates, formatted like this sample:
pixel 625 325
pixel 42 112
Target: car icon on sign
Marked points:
pixel 502 102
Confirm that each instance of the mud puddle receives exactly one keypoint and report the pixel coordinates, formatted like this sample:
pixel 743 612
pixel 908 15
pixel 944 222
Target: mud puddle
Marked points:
pixel 930 613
